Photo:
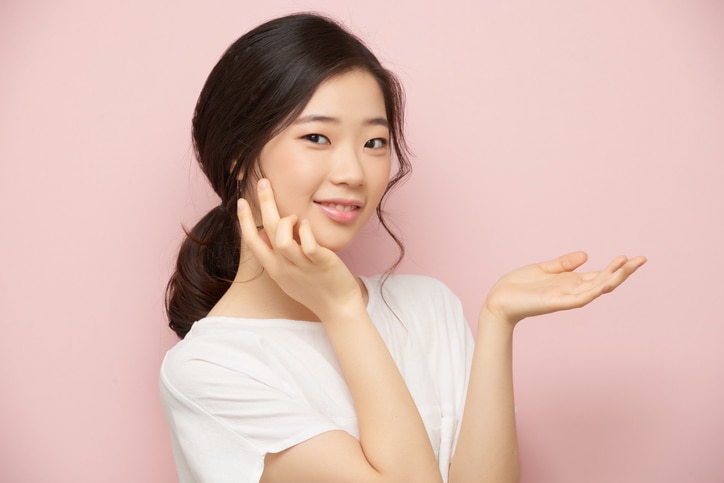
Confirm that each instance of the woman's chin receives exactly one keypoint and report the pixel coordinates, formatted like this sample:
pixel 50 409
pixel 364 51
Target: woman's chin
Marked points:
pixel 335 245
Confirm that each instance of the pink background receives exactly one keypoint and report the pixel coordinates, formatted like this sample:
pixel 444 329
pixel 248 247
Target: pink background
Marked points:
pixel 538 128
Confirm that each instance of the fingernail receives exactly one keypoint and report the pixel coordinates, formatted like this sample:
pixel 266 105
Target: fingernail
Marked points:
pixel 264 184
pixel 241 204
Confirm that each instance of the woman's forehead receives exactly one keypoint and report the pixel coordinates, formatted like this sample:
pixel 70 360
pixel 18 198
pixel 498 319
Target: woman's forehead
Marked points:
pixel 354 95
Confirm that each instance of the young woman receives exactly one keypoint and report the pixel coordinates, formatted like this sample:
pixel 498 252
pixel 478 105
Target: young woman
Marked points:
pixel 291 369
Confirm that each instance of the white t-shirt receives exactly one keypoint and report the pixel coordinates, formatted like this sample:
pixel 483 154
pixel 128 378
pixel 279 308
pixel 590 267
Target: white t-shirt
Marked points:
pixel 236 389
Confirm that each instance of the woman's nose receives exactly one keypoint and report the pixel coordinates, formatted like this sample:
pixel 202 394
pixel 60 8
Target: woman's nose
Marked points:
pixel 347 167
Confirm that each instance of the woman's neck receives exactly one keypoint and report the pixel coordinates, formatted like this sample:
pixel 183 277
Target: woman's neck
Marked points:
pixel 253 294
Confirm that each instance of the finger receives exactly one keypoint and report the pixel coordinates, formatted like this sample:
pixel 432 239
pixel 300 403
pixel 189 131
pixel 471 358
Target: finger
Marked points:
pixel 565 263
pixel 309 244
pixel 599 283
pixel 610 269
pixel 250 236
pixel 615 264
pixel 284 242
pixel 268 207
pixel 594 282
pixel 623 273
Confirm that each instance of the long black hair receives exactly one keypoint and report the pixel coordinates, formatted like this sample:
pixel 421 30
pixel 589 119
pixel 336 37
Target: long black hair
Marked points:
pixel 259 86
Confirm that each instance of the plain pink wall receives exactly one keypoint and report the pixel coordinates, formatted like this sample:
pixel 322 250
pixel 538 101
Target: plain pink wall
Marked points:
pixel 538 128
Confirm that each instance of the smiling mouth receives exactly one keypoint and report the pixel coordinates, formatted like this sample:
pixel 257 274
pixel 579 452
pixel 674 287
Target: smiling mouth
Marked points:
pixel 344 212
pixel 338 206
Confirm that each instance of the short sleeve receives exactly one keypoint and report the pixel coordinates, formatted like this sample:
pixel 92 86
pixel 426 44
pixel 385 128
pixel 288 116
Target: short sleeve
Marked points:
pixel 223 421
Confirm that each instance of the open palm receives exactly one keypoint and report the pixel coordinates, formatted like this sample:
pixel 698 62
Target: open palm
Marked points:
pixel 551 286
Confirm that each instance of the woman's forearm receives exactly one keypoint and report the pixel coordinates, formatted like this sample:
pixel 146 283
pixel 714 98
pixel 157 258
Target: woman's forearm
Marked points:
pixel 392 434
pixel 487 448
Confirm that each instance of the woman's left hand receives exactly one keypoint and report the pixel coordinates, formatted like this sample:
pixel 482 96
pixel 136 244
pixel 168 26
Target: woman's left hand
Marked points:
pixel 552 286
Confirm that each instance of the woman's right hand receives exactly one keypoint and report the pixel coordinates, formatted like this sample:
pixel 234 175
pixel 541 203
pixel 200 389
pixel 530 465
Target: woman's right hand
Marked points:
pixel 308 272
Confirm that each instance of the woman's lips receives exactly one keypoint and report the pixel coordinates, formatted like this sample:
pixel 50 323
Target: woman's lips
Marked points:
pixel 341 211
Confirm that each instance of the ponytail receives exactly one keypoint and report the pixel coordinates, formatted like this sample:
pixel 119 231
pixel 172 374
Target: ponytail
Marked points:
pixel 205 268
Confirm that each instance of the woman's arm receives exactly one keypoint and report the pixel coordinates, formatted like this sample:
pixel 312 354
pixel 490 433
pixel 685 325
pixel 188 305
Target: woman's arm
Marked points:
pixel 393 445
pixel 487 448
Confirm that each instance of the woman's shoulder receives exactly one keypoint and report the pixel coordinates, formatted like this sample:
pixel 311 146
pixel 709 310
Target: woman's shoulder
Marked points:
pixel 424 305
pixel 227 340
pixel 409 285
pixel 413 297
pixel 240 354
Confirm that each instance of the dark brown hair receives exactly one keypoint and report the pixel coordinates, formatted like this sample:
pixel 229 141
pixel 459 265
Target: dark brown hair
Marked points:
pixel 260 85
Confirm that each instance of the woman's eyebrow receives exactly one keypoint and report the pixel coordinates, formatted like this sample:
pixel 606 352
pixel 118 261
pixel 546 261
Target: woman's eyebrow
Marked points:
pixel 374 121
pixel 378 121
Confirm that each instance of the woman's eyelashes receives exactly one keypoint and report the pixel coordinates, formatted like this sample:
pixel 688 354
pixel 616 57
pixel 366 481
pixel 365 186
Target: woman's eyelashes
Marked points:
pixel 317 138
pixel 376 143
pixel 321 139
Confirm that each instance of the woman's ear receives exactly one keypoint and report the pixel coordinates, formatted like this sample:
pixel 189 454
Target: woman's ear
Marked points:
pixel 246 180
pixel 246 188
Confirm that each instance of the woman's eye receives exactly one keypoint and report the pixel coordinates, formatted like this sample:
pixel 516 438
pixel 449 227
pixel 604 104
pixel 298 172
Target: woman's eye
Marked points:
pixel 376 143
pixel 317 139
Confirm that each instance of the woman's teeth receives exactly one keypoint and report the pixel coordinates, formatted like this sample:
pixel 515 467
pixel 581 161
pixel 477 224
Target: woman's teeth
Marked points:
pixel 340 207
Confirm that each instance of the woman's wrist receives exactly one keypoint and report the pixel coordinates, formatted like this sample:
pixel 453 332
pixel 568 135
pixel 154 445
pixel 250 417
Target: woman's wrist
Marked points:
pixel 495 319
pixel 343 310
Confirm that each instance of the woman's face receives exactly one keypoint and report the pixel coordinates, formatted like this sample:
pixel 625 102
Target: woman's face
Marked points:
pixel 331 165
